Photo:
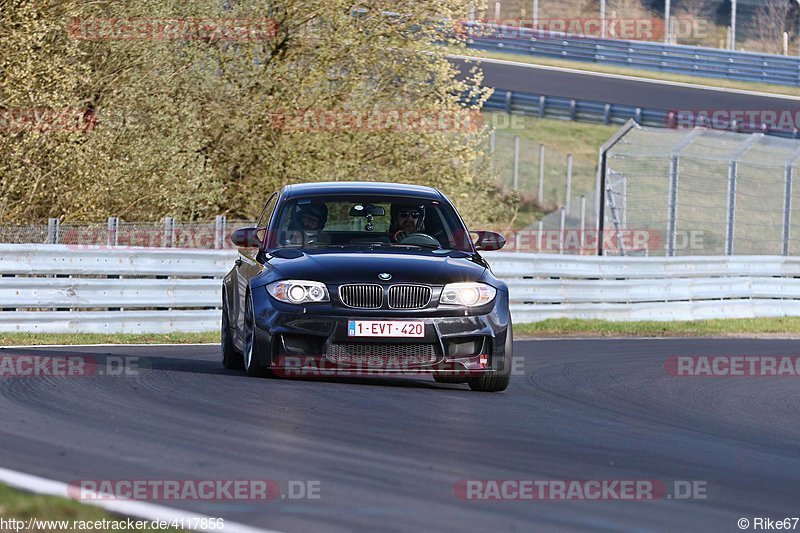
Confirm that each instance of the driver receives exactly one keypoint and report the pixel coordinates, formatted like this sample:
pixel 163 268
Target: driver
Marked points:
pixel 406 220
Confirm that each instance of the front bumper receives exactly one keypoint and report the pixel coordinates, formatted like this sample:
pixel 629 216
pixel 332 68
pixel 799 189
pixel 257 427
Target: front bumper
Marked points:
pixel 298 341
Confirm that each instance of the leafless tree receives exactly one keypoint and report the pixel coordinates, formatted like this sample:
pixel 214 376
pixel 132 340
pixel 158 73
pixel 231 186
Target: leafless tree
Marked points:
pixel 768 24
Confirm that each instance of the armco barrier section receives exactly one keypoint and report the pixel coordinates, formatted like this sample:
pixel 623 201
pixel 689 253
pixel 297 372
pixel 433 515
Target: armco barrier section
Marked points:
pixel 677 59
pixel 544 286
pixel 58 288
pixel 107 289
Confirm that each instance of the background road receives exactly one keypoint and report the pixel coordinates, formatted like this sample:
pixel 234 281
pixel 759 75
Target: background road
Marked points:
pixel 621 91
pixel 388 452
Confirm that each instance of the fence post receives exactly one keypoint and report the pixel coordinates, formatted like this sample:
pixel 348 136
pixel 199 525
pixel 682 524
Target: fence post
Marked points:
pixel 731 209
pixel 787 209
pixel 672 203
pixel 112 234
pixel 220 226
pixel 583 222
pixel 733 171
pixel 540 196
pixel 562 223
pixel 516 162
pixel 540 230
pixel 569 182
pixel 169 232
pixel 52 230
pixel 491 151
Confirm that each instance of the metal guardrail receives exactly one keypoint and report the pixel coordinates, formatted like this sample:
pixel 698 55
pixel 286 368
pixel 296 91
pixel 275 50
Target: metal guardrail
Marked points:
pixel 180 290
pixel 545 106
pixel 649 288
pixel 677 59
pixel 597 112
pixel 110 289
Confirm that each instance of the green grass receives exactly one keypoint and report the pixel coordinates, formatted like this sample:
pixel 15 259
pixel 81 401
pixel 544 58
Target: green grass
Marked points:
pixel 23 506
pixel 699 328
pixel 640 73
pixel 560 137
pixel 20 339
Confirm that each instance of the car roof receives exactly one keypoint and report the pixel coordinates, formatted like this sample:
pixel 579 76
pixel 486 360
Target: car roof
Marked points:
pixel 361 187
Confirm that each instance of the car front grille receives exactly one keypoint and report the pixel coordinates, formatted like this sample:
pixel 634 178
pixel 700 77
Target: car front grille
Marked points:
pixel 382 355
pixel 409 296
pixel 361 296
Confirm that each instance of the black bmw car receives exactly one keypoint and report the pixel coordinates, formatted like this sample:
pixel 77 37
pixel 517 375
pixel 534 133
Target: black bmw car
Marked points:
pixel 352 278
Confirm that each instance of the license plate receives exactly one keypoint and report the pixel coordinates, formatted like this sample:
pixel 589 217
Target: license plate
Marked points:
pixel 394 328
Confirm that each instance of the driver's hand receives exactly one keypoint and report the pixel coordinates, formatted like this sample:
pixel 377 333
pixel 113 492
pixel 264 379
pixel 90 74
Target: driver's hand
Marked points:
pixel 399 235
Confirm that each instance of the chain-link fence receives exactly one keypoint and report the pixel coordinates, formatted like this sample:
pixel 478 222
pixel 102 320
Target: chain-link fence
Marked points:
pixel 703 192
pixel 169 233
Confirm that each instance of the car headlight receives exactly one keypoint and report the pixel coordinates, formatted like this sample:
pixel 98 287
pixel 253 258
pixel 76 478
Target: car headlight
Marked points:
pixel 298 291
pixel 467 294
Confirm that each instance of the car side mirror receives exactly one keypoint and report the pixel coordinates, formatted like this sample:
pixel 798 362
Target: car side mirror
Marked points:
pixel 488 241
pixel 247 237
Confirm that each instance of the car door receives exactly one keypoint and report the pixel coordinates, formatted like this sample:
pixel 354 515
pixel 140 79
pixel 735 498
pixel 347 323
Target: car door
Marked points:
pixel 247 266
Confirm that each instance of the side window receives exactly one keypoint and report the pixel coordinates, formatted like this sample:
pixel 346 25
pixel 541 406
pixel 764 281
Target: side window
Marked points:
pixel 266 211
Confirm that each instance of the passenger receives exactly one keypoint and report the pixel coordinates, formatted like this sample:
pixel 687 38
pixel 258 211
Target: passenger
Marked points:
pixel 307 224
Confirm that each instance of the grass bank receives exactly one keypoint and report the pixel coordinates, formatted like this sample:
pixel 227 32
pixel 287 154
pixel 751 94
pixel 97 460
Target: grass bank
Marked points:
pixel 30 339
pixel 787 326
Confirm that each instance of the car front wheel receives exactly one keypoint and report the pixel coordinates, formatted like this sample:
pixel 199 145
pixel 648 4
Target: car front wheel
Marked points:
pixel 499 379
pixel 252 361
pixel 231 359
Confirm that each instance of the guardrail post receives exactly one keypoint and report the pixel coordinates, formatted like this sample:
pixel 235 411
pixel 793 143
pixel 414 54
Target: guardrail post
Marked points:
pixel 220 227
pixel 52 230
pixel 169 232
pixel 508 101
pixel 607 114
pixel 540 196
pixel 112 233
pixel 569 182
pixel 516 163
pixel 637 115
pixel 787 208
pixel 542 106
pixel 573 110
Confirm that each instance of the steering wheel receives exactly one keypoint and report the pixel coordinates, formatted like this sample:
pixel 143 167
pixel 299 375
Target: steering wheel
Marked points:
pixel 421 239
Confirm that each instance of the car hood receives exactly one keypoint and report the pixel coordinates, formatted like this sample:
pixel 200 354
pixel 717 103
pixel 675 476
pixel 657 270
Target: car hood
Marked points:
pixel 337 267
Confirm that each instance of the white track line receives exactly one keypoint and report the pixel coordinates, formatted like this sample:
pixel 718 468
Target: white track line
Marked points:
pixel 624 77
pixel 136 509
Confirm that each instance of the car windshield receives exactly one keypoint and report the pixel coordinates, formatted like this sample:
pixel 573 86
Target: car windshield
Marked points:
pixel 389 221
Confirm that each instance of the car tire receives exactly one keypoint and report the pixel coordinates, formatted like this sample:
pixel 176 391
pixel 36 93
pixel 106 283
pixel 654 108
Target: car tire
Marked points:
pixel 499 379
pixel 231 359
pixel 252 362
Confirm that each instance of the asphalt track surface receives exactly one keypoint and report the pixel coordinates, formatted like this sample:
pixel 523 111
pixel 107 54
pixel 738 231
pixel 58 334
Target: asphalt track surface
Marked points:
pixel 388 451
pixel 621 91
